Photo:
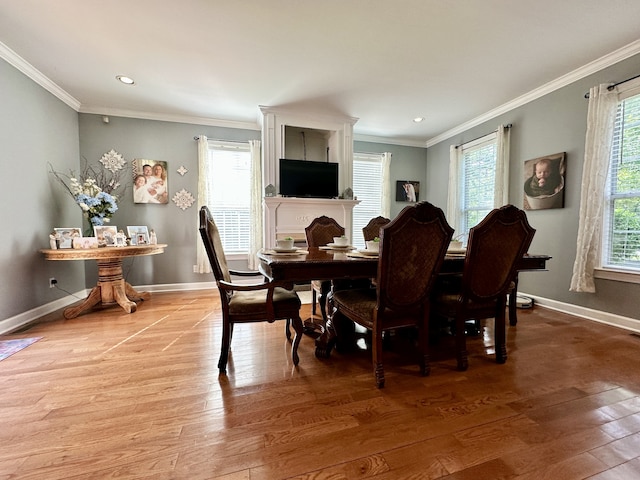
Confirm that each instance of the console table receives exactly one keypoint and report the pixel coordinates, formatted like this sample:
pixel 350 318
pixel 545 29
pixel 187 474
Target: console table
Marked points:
pixel 111 288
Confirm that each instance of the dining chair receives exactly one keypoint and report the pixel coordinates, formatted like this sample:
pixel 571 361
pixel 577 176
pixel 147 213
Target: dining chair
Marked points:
pixel 372 229
pixel 242 303
pixel 320 232
pixel 412 249
pixel 493 249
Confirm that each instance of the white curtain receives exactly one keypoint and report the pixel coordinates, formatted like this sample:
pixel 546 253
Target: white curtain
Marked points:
pixel 453 200
pixel 255 208
pixel 386 184
pixel 597 153
pixel 202 261
pixel 501 188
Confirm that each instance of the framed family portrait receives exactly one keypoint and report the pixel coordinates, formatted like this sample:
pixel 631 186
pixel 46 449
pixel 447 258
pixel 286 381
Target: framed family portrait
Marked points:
pixel 65 236
pixel 139 234
pixel 106 235
pixel 150 181
pixel 407 191
pixel 84 243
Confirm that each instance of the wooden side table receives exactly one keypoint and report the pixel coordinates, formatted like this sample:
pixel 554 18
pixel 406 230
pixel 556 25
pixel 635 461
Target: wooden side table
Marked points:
pixel 111 288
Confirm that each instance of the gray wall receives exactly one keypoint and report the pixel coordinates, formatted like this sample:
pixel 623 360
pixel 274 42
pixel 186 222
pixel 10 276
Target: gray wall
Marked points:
pixel 407 163
pixel 554 123
pixel 173 143
pixel 35 128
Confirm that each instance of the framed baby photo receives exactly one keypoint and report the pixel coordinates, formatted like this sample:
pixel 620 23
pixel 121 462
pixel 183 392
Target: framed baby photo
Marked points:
pixel 544 181
pixel 139 234
pixel 407 191
pixel 150 181
pixel 106 235
pixel 65 236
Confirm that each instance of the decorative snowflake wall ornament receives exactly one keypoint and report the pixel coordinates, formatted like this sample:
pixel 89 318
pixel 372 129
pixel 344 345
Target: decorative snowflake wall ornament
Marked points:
pixel 112 161
pixel 183 199
pixel 182 170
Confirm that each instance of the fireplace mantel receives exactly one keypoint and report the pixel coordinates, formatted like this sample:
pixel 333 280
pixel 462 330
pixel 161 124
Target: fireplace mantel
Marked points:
pixel 288 217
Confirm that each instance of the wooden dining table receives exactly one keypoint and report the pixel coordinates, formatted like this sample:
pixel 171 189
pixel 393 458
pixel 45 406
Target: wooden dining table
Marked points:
pixel 315 263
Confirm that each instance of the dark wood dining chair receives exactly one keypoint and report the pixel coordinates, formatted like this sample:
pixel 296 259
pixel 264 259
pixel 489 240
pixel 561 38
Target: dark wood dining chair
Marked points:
pixel 494 247
pixel 412 249
pixel 242 303
pixel 320 232
pixel 372 229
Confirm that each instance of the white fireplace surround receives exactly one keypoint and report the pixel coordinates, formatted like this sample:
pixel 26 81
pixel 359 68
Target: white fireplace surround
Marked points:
pixel 288 217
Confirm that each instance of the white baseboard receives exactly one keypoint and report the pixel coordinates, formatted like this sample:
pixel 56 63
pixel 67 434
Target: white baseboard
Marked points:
pixel 607 318
pixel 19 321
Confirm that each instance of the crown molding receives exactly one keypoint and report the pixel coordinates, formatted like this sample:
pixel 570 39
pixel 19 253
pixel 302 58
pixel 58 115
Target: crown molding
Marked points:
pixel 165 117
pixel 599 64
pixel 388 140
pixel 34 74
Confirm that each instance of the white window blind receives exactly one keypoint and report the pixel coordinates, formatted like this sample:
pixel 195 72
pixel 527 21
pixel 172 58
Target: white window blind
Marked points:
pixel 230 193
pixel 367 172
pixel 621 232
pixel 477 174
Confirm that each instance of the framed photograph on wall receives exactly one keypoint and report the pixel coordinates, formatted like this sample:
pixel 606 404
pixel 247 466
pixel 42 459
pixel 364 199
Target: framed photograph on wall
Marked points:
pixel 544 180
pixel 139 234
pixel 106 235
pixel 150 181
pixel 65 236
pixel 407 191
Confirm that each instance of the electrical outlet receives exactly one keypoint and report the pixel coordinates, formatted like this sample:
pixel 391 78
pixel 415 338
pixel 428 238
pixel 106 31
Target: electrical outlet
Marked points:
pixel 52 282
pixel 195 269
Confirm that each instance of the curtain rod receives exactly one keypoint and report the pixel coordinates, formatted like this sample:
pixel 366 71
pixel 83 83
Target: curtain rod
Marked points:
pixel 508 125
pixel 611 87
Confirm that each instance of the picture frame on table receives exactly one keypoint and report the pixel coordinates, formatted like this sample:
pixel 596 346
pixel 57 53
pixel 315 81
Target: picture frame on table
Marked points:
pixel 106 234
pixel 84 243
pixel 139 234
pixel 65 236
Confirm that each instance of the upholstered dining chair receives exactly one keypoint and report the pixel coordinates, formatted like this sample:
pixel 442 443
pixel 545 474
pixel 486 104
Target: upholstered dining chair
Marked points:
pixel 372 229
pixel 412 249
pixel 493 249
pixel 320 232
pixel 242 303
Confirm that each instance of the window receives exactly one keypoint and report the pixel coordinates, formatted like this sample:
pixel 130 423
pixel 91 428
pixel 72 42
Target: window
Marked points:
pixel 477 167
pixel 367 172
pixel 621 225
pixel 229 194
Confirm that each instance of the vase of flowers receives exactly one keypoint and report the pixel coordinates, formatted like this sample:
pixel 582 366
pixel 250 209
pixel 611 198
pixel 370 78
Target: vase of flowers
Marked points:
pixel 94 191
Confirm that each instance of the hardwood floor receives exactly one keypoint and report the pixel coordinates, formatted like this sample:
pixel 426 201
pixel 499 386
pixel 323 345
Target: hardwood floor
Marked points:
pixel 112 395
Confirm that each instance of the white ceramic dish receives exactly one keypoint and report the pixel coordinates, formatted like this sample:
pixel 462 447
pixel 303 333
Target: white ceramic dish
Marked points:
pixel 368 252
pixel 285 250
pixel 340 247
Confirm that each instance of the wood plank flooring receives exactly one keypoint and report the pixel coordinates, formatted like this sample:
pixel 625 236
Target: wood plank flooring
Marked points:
pixel 109 395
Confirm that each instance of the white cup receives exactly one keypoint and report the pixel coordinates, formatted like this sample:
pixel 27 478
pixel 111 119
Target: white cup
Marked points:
pixel 284 244
pixel 341 241
pixel 373 246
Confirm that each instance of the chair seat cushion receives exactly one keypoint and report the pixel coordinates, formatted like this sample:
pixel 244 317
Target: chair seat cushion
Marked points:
pixel 447 305
pixel 253 302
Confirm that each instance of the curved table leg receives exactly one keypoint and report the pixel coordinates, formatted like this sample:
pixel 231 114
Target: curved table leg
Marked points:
pixel 93 299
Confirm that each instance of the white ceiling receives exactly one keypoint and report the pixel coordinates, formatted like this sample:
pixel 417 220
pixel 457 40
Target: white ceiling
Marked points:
pixel 381 61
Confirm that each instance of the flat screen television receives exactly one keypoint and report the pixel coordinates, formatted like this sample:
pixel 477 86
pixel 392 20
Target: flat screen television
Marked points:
pixel 302 178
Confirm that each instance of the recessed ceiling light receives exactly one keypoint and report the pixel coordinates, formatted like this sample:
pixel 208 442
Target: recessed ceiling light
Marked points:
pixel 126 80
pixel 418 119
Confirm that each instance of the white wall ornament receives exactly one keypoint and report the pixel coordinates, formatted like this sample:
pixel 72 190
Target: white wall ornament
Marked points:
pixel 112 161
pixel 183 199
pixel 182 170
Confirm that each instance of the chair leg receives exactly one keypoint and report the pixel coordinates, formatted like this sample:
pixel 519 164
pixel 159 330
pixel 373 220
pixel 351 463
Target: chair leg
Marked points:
pixel 298 327
pixel 423 342
pixel 313 301
pixel 461 345
pixel 227 332
pixel 287 330
pixel 378 370
pixel 500 333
